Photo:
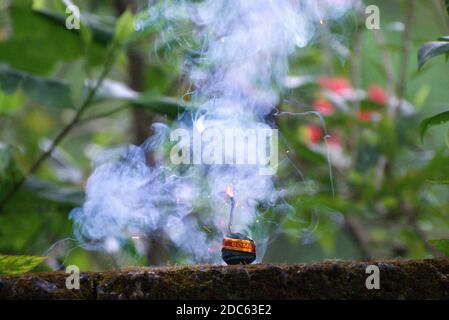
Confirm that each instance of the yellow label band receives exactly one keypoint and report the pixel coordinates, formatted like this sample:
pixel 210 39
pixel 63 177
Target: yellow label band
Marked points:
pixel 239 245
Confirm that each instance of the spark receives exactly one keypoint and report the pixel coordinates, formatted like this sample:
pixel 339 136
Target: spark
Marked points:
pixel 230 191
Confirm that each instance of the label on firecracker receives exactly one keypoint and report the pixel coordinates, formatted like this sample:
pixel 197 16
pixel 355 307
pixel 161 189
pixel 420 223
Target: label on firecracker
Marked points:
pixel 239 245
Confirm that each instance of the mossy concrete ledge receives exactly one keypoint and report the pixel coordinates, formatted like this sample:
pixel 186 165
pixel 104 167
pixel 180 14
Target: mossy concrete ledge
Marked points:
pixel 410 279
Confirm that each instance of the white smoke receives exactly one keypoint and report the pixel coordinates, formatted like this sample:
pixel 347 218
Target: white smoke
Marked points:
pixel 241 50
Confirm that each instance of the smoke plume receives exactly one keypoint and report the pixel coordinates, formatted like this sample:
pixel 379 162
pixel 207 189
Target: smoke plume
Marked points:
pixel 237 59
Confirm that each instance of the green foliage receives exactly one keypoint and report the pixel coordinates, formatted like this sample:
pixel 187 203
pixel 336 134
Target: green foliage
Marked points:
pixel 15 265
pixel 40 90
pixel 442 245
pixel 427 52
pixel 442 182
pixel 433 121
pixel 9 172
pixel 124 27
pixel 57 94
pixel 10 104
pixel 431 50
pixel 41 43
pixel 383 178
pixel 163 105
pixel 91 25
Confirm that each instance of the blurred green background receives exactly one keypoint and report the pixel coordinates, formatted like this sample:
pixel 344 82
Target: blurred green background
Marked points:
pixel 366 84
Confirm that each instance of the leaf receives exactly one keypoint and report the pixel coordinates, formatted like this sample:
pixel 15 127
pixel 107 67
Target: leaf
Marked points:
pixel 40 90
pixel 443 38
pixel 15 265
pixel 10 104
pixel 442 245
pixel 98 27
pixel 431 50
pixel 433 121
pixel 100 32
pixel 36 44
pixel 169 106
pixel 54 193
pixel 124 27
pixel 58 94
pixel 164 105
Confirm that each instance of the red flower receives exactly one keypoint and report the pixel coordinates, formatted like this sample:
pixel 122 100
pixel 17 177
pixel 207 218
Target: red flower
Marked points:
pixel 334 141
pixel 365 116
pixel 377 94
pixel 337 85
pixel 324 106
pixel 313 134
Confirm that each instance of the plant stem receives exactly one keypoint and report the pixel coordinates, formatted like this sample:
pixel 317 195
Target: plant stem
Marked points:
pixel 442 13
pixel 102 114
pixel 360 234
pixel 405 56
pixel 411 215
pixel 354 225
pixel 64 132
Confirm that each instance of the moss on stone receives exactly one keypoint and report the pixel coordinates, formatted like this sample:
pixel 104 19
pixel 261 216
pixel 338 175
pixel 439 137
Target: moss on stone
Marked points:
pixel 413 279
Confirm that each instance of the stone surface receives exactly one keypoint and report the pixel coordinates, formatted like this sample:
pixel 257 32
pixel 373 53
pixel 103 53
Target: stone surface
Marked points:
pixel 413 279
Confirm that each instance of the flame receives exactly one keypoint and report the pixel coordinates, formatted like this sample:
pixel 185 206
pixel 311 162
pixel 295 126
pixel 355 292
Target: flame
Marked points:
pixel 230 191
pixel 321 21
